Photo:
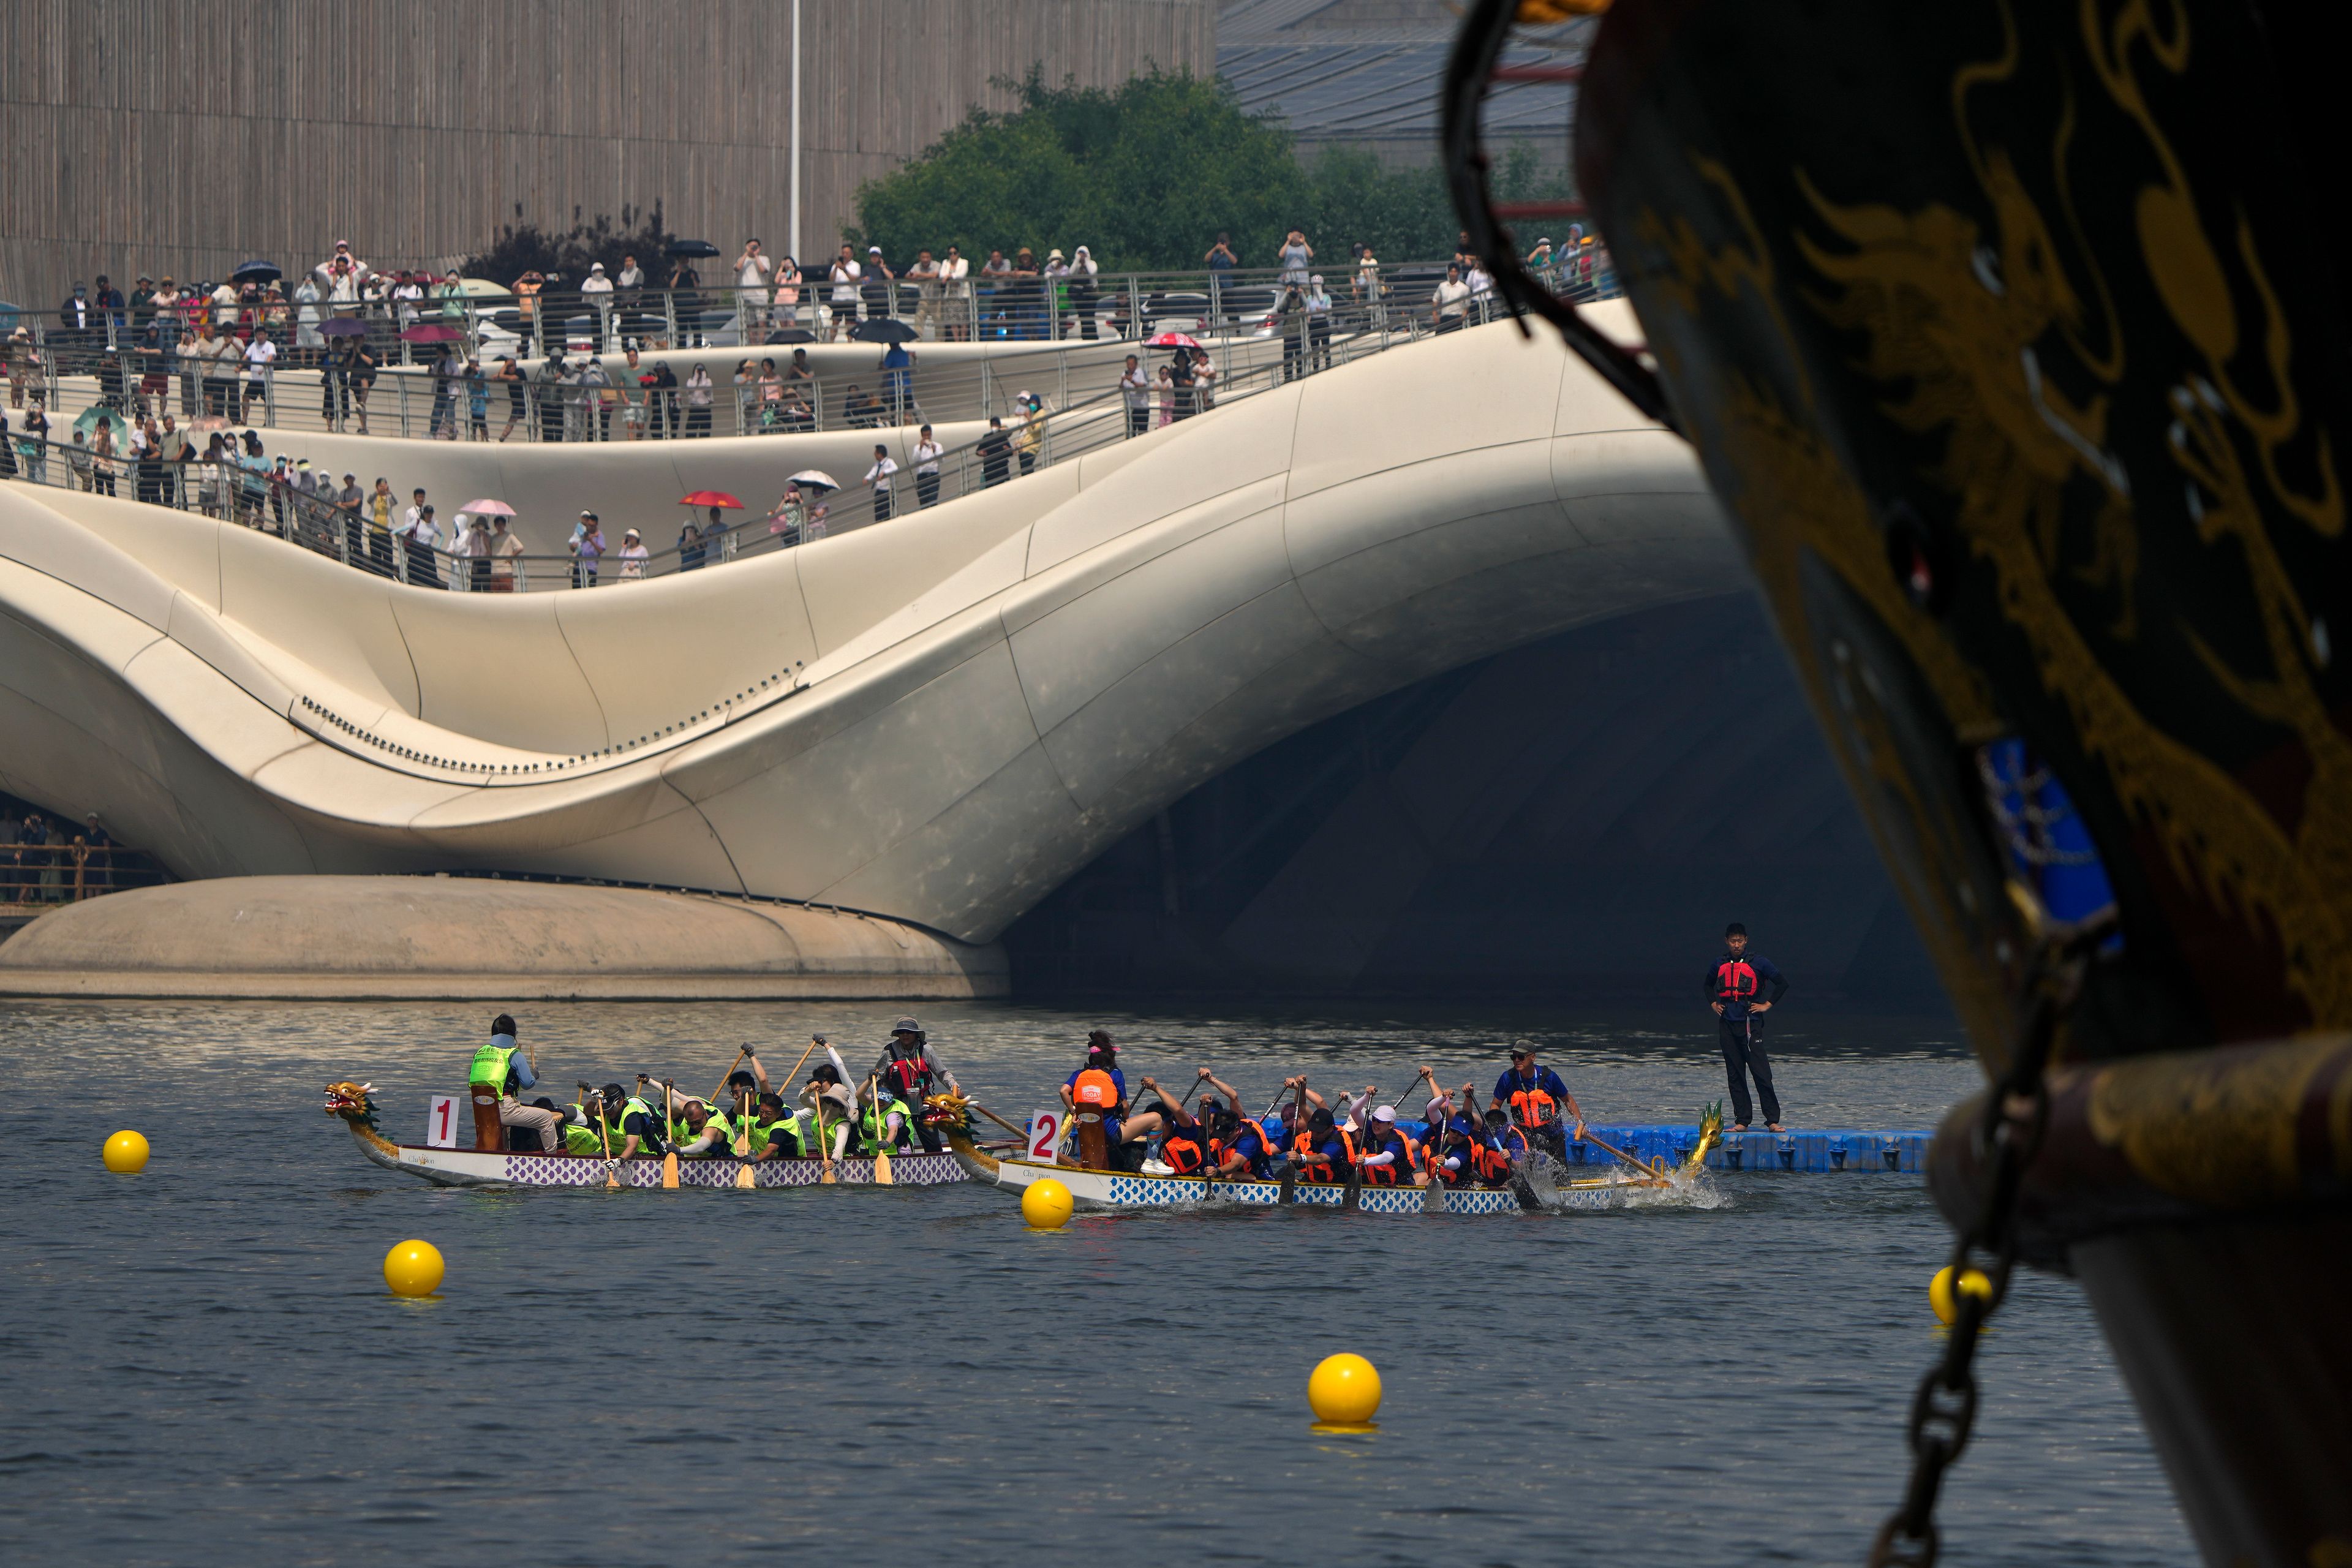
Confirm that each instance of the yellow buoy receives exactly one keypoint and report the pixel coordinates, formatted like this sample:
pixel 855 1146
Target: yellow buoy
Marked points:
pixel 412 1269
pixel 1344 1390
pixel 1046 1204
pixel 1940 1296
pixel 126 1154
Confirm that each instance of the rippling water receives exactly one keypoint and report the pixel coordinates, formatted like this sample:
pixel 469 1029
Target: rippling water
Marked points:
pixel 200 1364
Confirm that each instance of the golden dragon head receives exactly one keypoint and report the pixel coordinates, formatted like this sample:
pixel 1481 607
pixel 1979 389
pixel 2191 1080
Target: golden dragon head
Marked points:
pixel 1711 1133
pixel 350 1102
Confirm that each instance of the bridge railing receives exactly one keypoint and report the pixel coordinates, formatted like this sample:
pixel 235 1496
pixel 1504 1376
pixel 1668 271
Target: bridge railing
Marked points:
pixel 246 488
pixel 133 361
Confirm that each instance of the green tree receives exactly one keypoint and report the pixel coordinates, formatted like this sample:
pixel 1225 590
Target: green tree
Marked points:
pixel 1147 173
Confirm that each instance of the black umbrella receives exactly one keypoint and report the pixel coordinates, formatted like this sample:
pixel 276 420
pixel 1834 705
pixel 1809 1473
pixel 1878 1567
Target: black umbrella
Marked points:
pixel 257 272
pixel 883 330
pixel 692 247
pixel 791 335
pixel 344 327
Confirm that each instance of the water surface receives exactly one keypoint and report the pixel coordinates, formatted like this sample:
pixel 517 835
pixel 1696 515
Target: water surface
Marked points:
pixel 200 1364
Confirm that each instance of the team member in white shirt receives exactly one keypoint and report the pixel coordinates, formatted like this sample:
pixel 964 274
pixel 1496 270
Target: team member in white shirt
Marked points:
pixel 754 272
pixel 955 294
pixel 877 479
pixel 927 470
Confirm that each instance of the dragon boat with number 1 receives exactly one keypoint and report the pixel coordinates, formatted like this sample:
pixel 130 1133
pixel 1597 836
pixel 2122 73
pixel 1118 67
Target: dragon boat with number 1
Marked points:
pixel 490 1168
pixel 1531 1189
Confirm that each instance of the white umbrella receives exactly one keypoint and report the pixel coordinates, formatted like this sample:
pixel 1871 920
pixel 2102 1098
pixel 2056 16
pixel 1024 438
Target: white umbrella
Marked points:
pixel 488 508
pixel 816 476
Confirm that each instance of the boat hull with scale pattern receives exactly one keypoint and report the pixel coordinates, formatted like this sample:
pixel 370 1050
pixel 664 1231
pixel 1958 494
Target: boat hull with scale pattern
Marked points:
pixel 1119 1190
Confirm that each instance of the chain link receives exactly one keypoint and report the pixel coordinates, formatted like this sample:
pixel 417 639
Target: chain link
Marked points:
pixel 2016 1115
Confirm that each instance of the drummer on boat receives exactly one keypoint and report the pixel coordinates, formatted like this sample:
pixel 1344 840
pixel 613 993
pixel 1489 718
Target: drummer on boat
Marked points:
pixel 1099 1088
pixel 1534 1098
pixel 494 1080
pixel 912 1072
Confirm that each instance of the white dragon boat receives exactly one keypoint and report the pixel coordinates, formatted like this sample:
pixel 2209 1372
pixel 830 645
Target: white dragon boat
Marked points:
pixel 1531 1189
pixel 487 1168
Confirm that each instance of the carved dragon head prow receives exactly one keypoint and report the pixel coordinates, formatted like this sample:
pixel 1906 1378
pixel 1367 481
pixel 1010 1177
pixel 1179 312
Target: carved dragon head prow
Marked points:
pixel 350 1102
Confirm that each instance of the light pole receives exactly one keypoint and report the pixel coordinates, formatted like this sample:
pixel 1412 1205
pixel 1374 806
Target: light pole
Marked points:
pixel 797 132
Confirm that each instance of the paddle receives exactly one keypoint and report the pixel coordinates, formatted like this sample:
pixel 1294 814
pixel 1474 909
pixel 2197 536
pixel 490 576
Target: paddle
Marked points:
pixel 605 1130
pixel 740 1053
pixel 824 1145
pixel 670 1130
pixel 882 1177
pixel 1608 1148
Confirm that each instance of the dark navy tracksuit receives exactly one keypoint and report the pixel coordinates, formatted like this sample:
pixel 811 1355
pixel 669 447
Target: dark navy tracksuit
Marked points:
pixel 1742 1034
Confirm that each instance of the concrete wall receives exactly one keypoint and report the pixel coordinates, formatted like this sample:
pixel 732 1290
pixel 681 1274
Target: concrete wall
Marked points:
pixel 940 719
pixel 173 136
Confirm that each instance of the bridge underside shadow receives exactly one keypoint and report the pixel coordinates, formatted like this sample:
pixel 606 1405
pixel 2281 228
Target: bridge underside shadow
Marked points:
pixel 1578 817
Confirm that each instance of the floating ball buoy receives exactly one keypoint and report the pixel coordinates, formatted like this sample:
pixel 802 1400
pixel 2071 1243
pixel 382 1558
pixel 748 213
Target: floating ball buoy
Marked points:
pixel 1942 1298
pixel 126 1154
pixel 1344 1390
pixel 1046 1204
pixel 412 1269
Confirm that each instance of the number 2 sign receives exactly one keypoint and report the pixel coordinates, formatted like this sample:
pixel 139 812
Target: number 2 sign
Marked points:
pixel 441 1122
pixel 1045 1137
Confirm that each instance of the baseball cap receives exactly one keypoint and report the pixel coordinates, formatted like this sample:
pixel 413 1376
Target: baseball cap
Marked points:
pixel 1385 1114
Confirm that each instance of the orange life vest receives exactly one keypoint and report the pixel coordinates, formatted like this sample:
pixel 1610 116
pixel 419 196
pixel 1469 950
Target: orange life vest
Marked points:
pixel 1304 1146
pixel 1491 1164
pixel 1734 980
pixel 1182 1150
pixel 1219 1148
pixel 1095 1090
pixel 1533 1108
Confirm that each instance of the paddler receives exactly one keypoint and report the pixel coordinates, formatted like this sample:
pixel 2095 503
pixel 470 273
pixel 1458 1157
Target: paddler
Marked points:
pixel 706 1134
pixel 1390 1158
pixel 912 1071
pixel 882 1121
pixel 774 1135
pixel 1534 1096
pixel 826 1098
pixel 1183 1141
pixel 499 1072
pixel 1239 1145
pixel 1323 1151
pixel 636 1126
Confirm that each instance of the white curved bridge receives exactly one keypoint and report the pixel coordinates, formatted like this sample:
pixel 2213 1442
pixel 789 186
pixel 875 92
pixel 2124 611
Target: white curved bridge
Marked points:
pixel 936 719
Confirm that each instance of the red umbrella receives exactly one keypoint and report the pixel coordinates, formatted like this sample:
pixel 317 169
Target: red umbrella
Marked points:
pixel 432 333
pixel 1169 341
pixel 710 498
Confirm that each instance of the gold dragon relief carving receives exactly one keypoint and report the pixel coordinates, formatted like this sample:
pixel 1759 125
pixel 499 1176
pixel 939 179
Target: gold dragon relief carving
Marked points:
pixel 1969 325
pixel 1783 470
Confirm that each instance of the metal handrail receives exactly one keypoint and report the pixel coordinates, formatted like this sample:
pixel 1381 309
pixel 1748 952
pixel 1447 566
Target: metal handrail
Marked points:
pixel 260 500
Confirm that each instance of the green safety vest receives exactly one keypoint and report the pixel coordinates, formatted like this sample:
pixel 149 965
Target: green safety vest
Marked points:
pixel 870 1120
pixel 579 1140
pixel 633 1103
pixel 491 1067
pixel 723 1131
pixel 764 1133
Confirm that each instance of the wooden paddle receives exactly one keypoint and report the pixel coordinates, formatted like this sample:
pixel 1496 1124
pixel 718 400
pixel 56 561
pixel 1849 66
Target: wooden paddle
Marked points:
pixel 740 1053
pixel 1608 1148
pixel 824 1145
pixel 669 1127
pixel 882 1176
pixel 604 1130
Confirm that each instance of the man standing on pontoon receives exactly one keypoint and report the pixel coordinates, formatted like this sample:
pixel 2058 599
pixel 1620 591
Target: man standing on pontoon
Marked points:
pixel 1735 986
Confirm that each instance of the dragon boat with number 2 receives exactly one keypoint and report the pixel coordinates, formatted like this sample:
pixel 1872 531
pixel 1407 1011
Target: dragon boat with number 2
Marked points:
pixel 491 1168
pixel 1532 1188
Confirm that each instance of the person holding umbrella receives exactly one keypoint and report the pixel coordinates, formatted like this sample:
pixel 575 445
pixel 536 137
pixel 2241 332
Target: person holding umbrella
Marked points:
pixel 718 542
pixel 685 303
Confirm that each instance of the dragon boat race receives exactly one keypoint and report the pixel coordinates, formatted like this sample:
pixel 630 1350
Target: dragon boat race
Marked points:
pixel 1374 782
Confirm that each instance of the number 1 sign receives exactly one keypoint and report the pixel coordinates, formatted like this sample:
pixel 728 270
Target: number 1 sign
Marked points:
pixel 441 1122
pixel 1045 1137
